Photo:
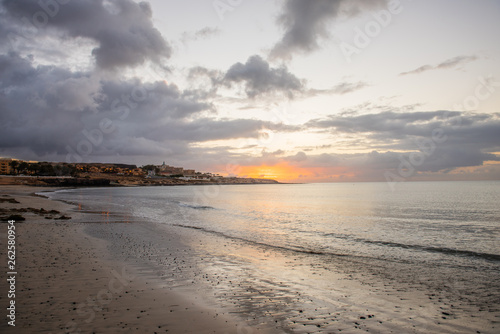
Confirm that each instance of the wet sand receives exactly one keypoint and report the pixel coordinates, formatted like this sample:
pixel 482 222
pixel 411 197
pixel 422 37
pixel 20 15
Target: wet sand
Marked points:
pixel 81 275
pixel 67 282
pixel 294 293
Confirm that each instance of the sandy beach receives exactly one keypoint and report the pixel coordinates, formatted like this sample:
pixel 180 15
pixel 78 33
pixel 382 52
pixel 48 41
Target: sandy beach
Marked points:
pixel 247 167
pixel 66 282
pixel 79 274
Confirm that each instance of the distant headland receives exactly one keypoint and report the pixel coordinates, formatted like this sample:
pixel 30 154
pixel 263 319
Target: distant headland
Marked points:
pixel 61 174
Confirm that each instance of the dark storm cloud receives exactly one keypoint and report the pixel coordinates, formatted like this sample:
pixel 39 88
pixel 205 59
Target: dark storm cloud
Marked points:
pixel 6 27
pixel 49 111
pixel 207 129
pixel 123 30
pixel 45 110
pixel 169 136
pixel 15 69
pixel 456 139
pixel 154 102
pixel 306 22
pixel 373 166
pixel 447 64
pixel 259 78
pixel 386 122
pixel 462 127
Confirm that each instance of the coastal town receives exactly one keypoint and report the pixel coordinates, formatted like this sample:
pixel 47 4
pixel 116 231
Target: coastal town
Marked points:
pixel 13 171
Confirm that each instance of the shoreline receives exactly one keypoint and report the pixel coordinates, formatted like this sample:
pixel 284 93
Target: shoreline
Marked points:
pixel 78 265
pixel 68 281
pixel 120 181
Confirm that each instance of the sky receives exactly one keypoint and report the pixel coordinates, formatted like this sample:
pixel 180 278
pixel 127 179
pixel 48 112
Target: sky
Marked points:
pixel 295 90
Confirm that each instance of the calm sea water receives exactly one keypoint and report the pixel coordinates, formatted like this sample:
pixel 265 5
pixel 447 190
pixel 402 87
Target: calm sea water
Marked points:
pixel 443 231
pixel 454 223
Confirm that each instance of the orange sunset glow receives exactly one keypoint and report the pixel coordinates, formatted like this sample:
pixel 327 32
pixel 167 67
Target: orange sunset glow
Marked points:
pixel 286 172
pixel 282 171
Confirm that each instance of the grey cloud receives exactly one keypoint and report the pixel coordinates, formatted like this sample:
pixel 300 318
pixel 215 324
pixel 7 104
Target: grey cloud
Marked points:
pixel 373 107
pixel 174 137
pixel 259 78
pixel 300 156
pixel 214 77
pixel 123 30
pixel 160 100
pixel 466 139
pixel 326 159
pixel 45 108
pixel 305 22
pixel 340 89
pixel 419 70
pixel 444 159
pixel 207 129
pixel 372 166
pixel 453 62
pixel 273 154
pixel 202 71
pixel 448 158
pixel 348 87
pixel 200 34
pixel 15 69
pixel 256 76
pixel 449 63
pixel 207 31
pixel 7 28
pixel 353 8
pixel 382 122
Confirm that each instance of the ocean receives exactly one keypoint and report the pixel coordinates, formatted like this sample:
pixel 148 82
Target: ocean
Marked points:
pixel 280 250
